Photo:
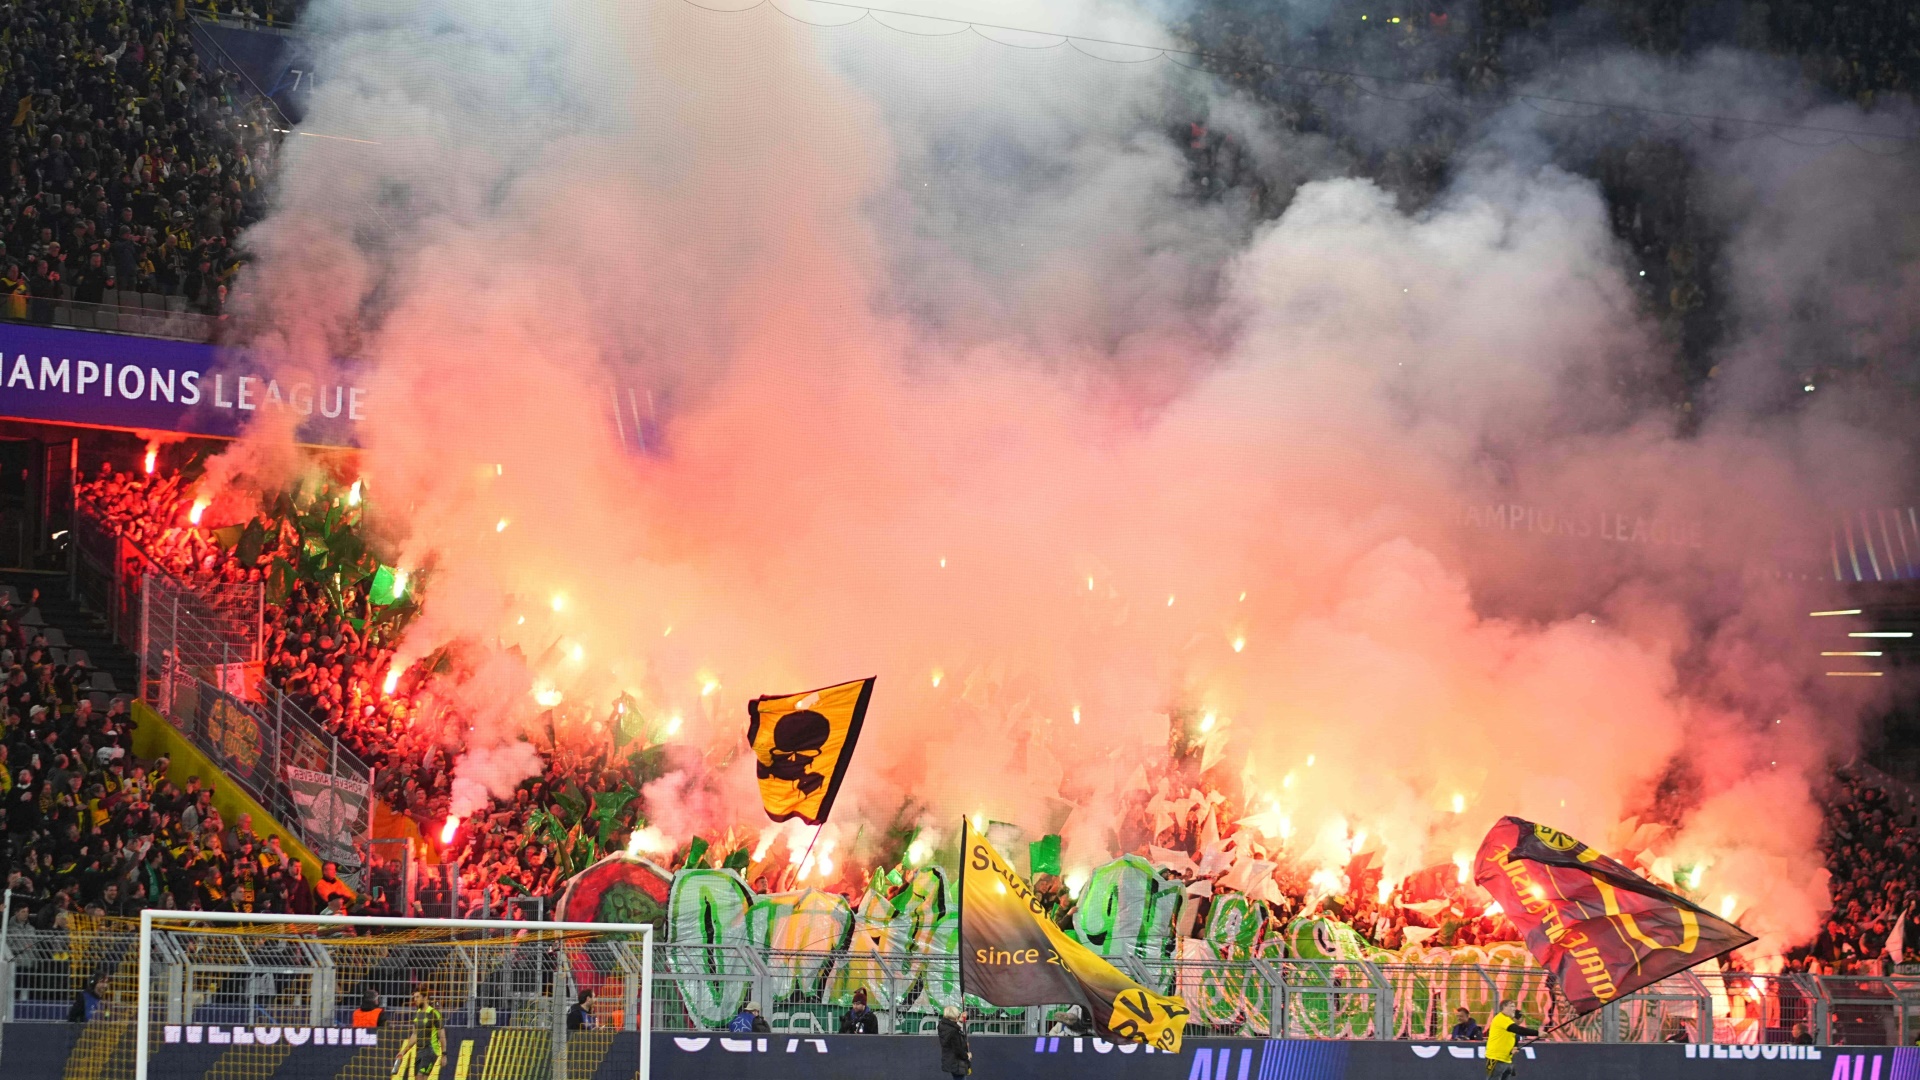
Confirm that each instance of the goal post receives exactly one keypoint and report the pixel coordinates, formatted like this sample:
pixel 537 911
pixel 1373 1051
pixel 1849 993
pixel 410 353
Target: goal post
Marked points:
pixel 230 977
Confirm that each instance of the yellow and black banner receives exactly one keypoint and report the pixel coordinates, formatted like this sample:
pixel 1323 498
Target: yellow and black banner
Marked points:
pixel 1603 929
pixel 803 743
pixel 1011 953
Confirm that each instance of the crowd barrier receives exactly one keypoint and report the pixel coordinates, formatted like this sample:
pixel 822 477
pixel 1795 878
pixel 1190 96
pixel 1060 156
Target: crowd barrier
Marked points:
pixel 104 1052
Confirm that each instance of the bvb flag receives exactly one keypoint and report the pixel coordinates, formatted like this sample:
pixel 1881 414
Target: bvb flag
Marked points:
pixel 1011 953
pixel 802 743
pixel 1604 930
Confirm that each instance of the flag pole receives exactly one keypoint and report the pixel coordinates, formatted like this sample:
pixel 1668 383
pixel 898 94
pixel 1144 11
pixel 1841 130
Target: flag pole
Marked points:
pixel 960 937
pixel 1548 1031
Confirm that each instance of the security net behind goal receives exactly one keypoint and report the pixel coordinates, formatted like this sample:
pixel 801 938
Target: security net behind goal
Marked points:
pixel 279 1001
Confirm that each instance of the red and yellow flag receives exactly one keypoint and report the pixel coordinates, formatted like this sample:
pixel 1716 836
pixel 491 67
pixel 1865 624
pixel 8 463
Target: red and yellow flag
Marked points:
pixel 1603 929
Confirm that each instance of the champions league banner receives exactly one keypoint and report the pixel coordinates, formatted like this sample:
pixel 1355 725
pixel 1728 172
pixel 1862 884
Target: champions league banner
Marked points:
pixel 146 384
pixel 130 383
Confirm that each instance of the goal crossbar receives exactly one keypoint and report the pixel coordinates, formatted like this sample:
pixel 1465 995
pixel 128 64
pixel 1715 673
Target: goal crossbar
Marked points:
pixel 143 1018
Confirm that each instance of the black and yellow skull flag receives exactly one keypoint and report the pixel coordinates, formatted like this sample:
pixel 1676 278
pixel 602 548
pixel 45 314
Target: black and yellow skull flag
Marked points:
pixel 1011 953
pixel 803 743
pixel 1603 929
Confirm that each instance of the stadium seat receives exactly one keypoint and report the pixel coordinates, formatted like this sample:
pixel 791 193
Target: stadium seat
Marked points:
pixel 110 297
pixel 106 320
pixel 177 304
pixel 83 318
pixel 31 617
pixel 55 636
pixel 103 682
pixel 63 316
pixel 153 301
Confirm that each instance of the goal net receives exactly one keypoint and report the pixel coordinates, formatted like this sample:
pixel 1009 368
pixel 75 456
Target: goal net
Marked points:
pixel 290 997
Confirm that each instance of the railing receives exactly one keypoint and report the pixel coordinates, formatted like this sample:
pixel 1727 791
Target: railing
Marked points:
pixel 124 312
pixel 222 978
pixel 291 765
pixel 200 648
pixel 212 627
pixel 1876 1010
pixel 107 569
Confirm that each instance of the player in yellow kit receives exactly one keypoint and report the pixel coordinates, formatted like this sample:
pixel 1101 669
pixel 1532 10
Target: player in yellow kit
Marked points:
pixel 428 1041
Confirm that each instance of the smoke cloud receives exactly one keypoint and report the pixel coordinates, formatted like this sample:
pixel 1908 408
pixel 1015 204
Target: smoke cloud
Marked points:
pixel 945 378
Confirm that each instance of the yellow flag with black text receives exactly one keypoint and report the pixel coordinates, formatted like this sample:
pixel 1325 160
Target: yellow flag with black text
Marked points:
pixel 1011 953
pixel 802 744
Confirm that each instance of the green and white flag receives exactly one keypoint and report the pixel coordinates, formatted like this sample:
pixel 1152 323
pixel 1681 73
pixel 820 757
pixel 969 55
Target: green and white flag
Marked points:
pixel 331 809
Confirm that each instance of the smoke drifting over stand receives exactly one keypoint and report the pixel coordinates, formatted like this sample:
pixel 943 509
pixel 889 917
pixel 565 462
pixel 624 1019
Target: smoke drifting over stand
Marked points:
pixel 956 385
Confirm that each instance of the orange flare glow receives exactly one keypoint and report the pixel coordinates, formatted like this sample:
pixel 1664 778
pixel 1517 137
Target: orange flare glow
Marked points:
pixel 446 831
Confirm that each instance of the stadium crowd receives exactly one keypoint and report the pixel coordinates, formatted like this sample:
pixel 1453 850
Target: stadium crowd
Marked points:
pixel 335 671
pixel 1872 839
pixel 92 830
pixel 127 164
pixel 130 166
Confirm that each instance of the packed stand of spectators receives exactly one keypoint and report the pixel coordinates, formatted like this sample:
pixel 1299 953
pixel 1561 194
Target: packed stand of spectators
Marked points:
pixel 1872 837
pixel 90 829
pixel 316 655
pixel 127 167
pixel 252 13
pixel 336 674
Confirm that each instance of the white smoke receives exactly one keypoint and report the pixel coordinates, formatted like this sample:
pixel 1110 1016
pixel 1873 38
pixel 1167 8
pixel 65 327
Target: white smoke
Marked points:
pixel 961 387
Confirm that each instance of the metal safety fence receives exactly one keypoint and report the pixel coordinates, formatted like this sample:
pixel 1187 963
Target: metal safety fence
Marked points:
pixel 521 979
pixel 206 622
pixel 294 768
pixel 201 653
pixel 266 983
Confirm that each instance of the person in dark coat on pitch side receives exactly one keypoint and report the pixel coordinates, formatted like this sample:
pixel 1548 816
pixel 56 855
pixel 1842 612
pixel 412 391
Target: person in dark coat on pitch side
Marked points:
pixel 955 1058
pixel 580 1013
pixel 860 1020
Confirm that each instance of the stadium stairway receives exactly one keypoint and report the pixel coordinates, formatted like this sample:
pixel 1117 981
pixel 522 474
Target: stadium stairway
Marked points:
pixel 78 627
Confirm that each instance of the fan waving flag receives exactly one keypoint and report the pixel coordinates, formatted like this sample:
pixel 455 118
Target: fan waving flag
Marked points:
pixel 1604 930
pixel 1011 953
pixel 803 743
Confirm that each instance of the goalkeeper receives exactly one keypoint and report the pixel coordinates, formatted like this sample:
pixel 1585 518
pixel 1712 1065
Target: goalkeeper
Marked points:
pixel 427 1042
